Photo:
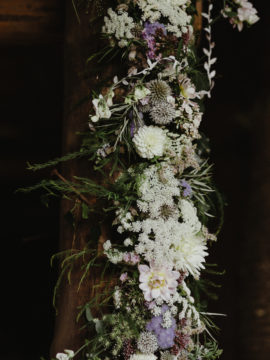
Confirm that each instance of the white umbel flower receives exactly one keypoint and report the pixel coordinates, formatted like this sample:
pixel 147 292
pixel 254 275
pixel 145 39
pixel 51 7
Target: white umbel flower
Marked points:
pixel 150 141
pixel 143 357
pixel 120 25
pixel 147 343
pixel 173 10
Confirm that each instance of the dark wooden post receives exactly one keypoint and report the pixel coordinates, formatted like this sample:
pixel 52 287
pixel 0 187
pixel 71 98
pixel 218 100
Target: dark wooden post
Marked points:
pixel 80 41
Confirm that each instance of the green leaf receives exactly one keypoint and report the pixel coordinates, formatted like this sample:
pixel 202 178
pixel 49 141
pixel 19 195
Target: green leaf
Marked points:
pixel 88 314
pixel 85 211
pixel 99 326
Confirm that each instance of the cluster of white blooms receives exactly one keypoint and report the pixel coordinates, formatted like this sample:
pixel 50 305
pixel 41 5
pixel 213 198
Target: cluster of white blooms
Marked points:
pixel 246 13
pixel 147 343
pixel 117 297
pixel 172 242
pixel 173 10
pixel 120 25
pixel 69 354
pixel 114 255
pixel 158 187
pixel 143 357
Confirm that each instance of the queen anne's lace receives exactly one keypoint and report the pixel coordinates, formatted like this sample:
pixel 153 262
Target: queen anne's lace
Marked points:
pixel 120 25
pixel 172 10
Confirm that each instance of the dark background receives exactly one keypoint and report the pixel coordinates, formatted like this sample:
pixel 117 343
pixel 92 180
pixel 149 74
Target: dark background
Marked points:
pixel 236 122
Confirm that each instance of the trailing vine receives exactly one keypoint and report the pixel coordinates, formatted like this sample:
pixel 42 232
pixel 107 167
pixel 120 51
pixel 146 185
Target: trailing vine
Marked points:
pixel 156 186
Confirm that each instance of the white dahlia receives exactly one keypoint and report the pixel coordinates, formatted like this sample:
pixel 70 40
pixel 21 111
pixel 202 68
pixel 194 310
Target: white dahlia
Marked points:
pixel 150 141
pixel 190 253
pixel 157 281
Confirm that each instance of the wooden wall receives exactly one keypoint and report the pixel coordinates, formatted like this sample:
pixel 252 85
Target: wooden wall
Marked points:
pixel 24 21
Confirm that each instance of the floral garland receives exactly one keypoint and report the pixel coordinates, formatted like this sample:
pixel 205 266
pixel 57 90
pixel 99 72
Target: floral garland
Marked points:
pixel 145 128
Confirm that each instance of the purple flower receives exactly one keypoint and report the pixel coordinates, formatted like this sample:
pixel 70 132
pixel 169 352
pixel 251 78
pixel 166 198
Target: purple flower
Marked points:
pixel 134 124
pixel 187 188
pixel 123 277
pixel 148 35
pixel 151 28
pixel 165 337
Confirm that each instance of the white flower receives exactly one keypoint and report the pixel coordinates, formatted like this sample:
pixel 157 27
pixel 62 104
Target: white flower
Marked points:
pixel 190 253
pixel 107 245
pixel 120 25
pixel 189 215
pixel 157 281
pixel 117 297
pixel 128 242
pixel 69 354
pixel 143 357
pixel 150 141
pixel 247 13
pixel 167 319
pixel 186 87
pixel 174 11
pixel 101 108
pixel 141 92
pixel 147 343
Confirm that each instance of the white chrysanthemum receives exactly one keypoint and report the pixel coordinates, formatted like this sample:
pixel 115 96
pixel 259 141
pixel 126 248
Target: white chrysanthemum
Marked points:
pixel 150 141
pixel 147 343
pixel 190 253
pixel 157 281
pixel 143 357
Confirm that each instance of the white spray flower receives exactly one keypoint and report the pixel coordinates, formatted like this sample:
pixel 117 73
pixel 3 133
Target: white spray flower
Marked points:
pixel 101 108
pixel 69 354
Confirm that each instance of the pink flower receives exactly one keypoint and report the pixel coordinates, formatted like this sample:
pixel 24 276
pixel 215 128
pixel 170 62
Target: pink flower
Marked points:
pixel 126 257
pixel 131 258
pixel 134 259
pixel 123 277
pixel 157 281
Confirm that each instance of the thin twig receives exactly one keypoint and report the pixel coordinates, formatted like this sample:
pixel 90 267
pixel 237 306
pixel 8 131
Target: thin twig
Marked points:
pixel 82 197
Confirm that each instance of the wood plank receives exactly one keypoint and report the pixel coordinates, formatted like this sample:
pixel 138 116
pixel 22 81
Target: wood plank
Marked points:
pixel 31 20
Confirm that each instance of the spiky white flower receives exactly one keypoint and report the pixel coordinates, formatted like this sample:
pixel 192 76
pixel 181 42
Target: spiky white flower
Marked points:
pixel 190 253
pixel 159 90
pixel 150 141
pixel 162 113
pixel 157 281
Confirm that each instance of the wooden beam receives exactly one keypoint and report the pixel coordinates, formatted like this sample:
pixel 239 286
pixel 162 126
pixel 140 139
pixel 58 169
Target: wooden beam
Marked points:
pixel 31 20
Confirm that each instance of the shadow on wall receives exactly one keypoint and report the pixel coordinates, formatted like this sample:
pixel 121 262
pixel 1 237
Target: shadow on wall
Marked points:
pixel 238 125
